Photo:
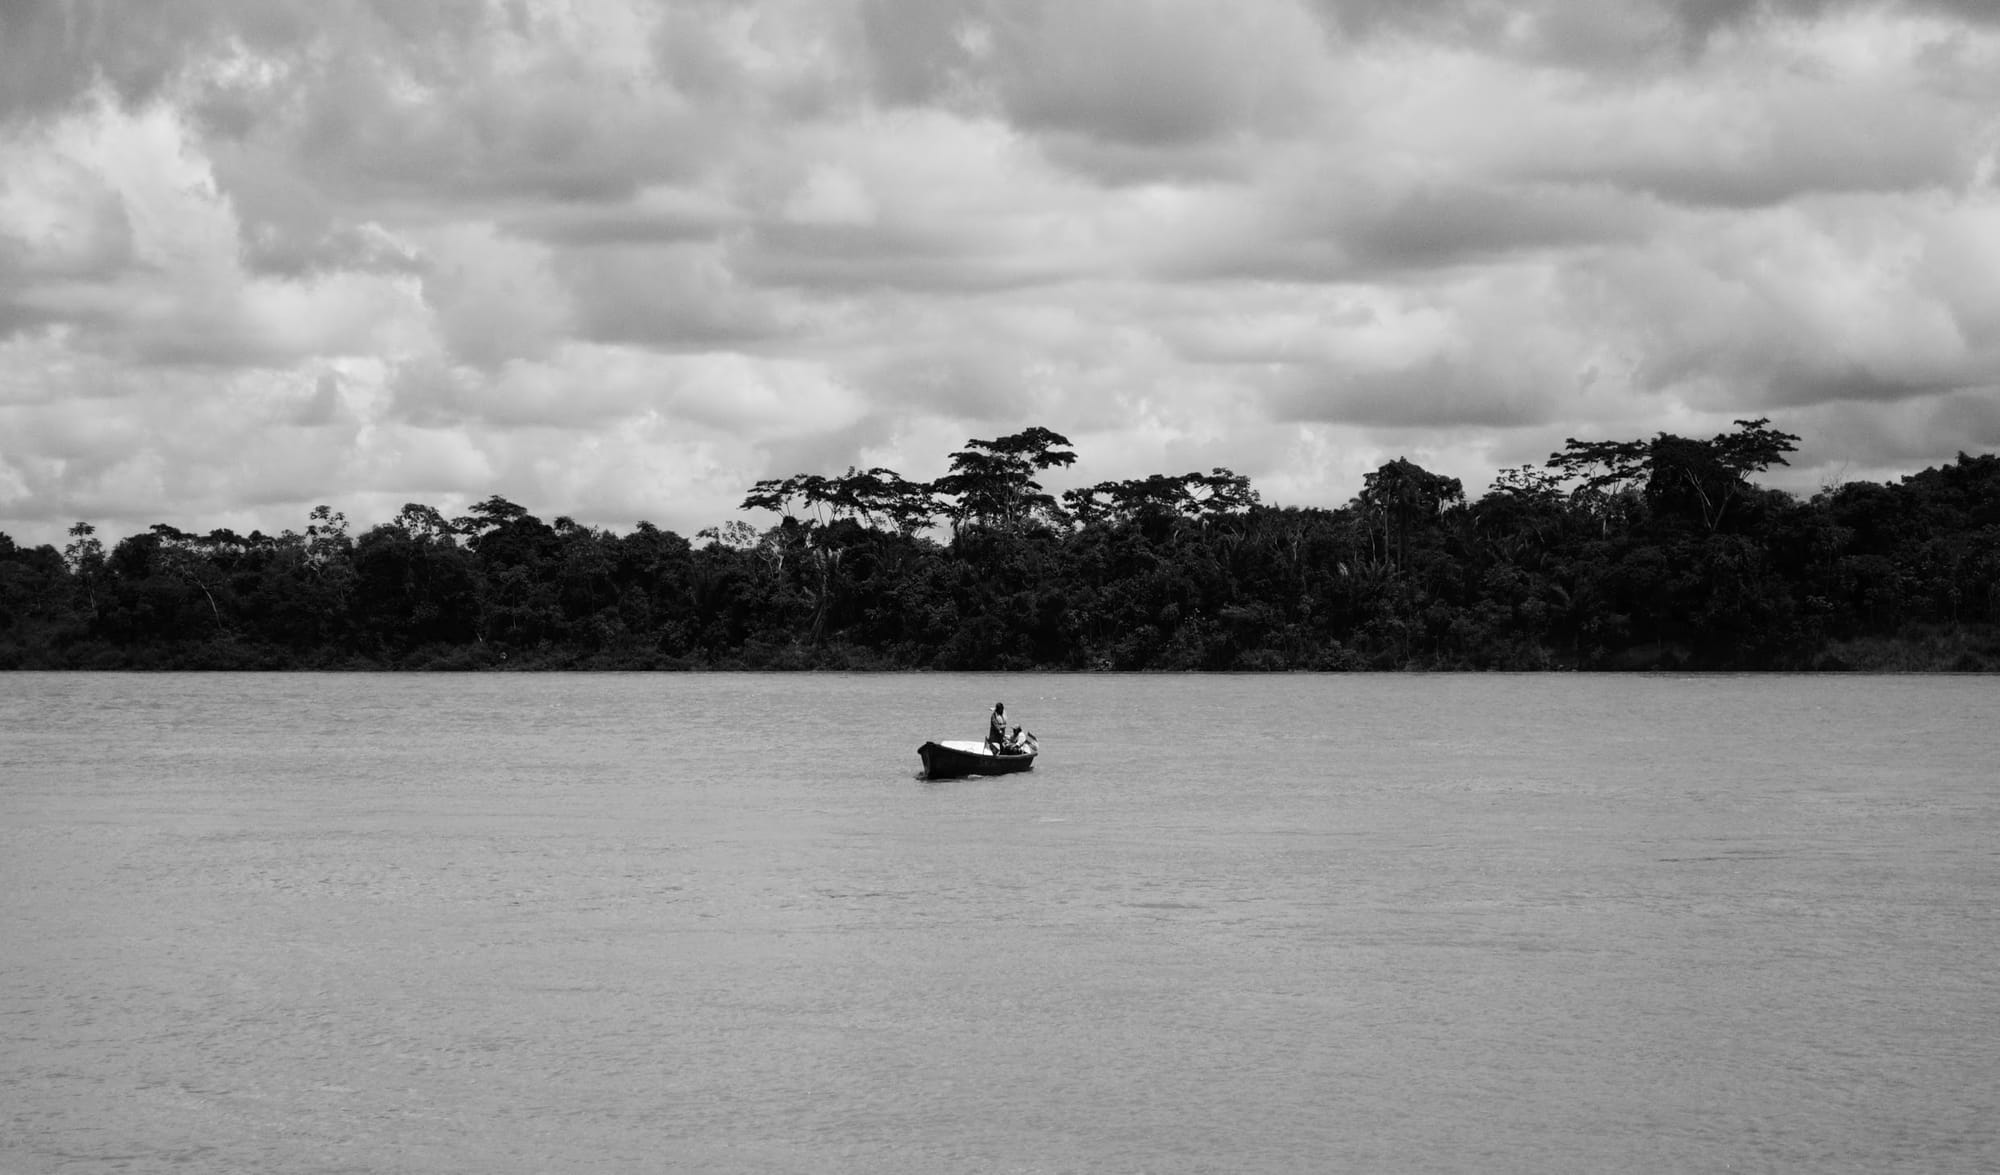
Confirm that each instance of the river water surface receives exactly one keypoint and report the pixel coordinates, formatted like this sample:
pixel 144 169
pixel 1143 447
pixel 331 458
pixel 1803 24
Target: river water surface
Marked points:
pixel 715 923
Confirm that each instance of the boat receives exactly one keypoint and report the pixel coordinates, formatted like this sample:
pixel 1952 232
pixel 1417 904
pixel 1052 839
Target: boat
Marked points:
pixel 957 758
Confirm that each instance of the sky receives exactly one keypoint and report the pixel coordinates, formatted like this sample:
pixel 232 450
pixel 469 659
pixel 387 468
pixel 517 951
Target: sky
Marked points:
pixel 617 260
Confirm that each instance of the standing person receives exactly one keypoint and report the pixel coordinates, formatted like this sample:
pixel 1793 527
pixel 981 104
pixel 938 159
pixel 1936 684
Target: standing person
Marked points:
pixel 996 726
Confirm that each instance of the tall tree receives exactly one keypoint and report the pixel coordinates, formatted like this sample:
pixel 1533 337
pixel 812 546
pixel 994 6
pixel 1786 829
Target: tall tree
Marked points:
pixel 994 483
pixel 1190 495
pixel 1678 475
pixel 867 496
pixel 1402 496
pixel 84 556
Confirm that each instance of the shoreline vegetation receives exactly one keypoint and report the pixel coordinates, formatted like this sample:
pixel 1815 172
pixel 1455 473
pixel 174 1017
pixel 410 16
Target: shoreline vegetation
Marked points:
pixel 1652 554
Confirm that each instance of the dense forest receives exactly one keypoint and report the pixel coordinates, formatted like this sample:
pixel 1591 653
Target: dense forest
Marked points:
pixel 1652 553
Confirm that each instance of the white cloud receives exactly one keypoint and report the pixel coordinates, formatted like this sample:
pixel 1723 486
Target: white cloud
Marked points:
pixel 495 297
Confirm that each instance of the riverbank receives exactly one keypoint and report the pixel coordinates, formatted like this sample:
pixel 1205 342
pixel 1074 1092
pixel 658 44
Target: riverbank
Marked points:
pixel 1916 649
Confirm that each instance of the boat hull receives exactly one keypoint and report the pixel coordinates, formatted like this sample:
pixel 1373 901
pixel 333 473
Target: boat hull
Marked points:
pixel 956 760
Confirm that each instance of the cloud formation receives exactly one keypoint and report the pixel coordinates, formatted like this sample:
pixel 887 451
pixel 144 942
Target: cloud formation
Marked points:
pixel 618 259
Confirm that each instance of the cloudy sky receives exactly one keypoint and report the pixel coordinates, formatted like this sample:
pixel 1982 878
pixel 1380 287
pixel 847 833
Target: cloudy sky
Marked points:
pixel 618 259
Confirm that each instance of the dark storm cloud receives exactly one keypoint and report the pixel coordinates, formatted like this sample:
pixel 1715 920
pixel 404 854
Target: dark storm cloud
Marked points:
pixel 671 298
pixel 1830 380
pixel 1798 139
pixel 493 135
pixel 1135 73
pixel 1438 393
pixel 1603 34
pixel 588 226
pixel 1145 73
pixel 1706 16
pixel 291 228
pixel 916 52
pixel 53 52
pixel 872 257
pixel 1436 225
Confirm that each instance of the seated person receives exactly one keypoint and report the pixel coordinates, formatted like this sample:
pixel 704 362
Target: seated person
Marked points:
pixel 1016 745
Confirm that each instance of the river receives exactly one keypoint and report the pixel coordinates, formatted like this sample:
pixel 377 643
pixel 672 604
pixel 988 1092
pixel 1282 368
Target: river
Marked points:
pixel 717 923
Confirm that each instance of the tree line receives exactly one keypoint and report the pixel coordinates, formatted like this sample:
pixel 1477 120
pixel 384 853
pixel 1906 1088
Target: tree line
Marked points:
pixel 1648 553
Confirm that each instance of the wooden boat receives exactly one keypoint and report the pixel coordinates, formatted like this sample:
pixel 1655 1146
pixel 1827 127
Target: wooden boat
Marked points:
pixel 956 758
